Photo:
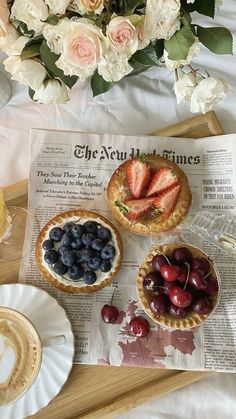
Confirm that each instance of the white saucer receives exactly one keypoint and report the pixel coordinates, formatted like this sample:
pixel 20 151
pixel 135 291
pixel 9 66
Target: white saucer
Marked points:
pixel 49 319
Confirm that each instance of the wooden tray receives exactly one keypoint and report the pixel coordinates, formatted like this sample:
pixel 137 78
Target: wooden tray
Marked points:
pixel 99 391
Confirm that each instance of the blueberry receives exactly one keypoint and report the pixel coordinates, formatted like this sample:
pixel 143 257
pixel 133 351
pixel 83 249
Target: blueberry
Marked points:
pixel 56 234
pixel 105 265
pixel 85 254
pixel 97 244
pixel 68 226
pixel 91 227
pixel 75 271
pixel 108 252
pixel 77 230
pixel 63 248
pixel 68 258
pixel 51 256
pixel 76 244
pixel 89 277
pixel 87 239
pixel 104 234
pixel 47 245
pixel 60 268
pixel 94 263
pixel 67 239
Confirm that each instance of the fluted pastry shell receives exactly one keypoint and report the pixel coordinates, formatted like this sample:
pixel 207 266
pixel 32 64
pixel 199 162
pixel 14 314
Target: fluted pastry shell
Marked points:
pixel 62 218
pixel 118 191
pixel 192 319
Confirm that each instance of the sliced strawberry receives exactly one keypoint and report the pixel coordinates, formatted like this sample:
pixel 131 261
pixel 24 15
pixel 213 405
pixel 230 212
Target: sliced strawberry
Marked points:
pixel 166 200
pixel 163 178
pixel 137 176
pixel 138 207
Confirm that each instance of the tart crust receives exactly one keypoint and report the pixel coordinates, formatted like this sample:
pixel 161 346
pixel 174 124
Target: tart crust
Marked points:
pixel 62 218
pixel 118 191
pixel 192 319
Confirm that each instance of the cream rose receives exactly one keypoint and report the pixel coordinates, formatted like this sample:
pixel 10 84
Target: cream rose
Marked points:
pixel 193 52
pixel 28 72
pixel 162 19
pixel 16 47
pixel 51 34
pixel 208 93
pixel 122 35
pixel 4 15
pixel 7 37
pixel 86 6
pixel 82 45
pixel 114 66
pixel 51 91
pixel 184 87
pixel 31 12
pixel 57 6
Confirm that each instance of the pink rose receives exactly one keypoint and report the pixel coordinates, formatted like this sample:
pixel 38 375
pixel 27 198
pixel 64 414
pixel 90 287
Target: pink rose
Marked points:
pixel 4 15
pixel 122 35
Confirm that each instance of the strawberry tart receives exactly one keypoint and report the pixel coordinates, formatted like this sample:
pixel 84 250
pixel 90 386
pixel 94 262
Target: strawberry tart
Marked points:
pixel 149 195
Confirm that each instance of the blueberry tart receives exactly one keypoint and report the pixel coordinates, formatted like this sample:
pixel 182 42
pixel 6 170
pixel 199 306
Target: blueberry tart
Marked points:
pixel 79 251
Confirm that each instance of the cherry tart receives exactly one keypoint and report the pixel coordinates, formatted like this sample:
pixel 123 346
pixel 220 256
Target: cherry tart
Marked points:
pixel 149 194
pixel 178 285
pixel 79 251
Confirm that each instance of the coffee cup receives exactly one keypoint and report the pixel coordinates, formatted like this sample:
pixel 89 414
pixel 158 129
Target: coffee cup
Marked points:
pixel 21 349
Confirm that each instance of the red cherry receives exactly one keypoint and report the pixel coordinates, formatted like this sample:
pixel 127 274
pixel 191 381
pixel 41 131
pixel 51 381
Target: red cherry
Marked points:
pixel 109 313
pixel 180 297
pixel 202 305
pixel 159 304
pixel 169 272
pixel 167 286
pixel 197 281
pixel 182 254
pixel 139 327
pixel 179 312
pixel 157 262
pixel 152 281
pixel 183 274
pixel 212 287
pixel 200 264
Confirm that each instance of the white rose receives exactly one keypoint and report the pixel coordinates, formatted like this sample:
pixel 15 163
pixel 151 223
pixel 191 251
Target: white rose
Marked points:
pixel 162 19
pixel 184 87
pixel 28 72
pixel 122 35
pixel 51 34
pixel 114 66
pixel 208 93
pixel 82 46
pixel 16 47
pixel 57 6
pixel 31 12
pixel 7 37
pixel 193 52
pixel 52 91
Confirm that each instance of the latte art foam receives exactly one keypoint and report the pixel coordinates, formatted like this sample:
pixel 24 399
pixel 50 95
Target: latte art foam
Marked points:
pixel 20 355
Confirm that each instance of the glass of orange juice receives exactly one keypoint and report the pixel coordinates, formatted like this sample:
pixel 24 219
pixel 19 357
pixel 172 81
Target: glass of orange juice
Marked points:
pixel 12 230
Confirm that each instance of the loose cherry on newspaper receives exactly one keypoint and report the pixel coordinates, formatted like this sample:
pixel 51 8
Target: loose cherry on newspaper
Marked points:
pixel 110 312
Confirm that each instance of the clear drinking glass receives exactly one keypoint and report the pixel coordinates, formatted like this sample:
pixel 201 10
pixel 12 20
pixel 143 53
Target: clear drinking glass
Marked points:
pixel 12 230
pixel 5 90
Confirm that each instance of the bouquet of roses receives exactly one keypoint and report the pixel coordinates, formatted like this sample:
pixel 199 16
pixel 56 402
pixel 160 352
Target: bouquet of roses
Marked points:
pixel 52 43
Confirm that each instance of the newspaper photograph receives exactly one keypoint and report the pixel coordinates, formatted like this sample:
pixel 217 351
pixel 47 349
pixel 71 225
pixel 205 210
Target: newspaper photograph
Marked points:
pixel 71 170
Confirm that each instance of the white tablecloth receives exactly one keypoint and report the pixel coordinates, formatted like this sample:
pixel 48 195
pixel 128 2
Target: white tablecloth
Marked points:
pixel 137 105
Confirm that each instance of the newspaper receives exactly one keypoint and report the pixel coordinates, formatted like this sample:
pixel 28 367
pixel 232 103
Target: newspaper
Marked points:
pixel 72 169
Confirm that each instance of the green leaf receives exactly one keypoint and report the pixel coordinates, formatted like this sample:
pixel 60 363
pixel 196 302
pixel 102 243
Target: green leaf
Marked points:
pixel 22 27
pixel 179 44
pixel 159 48
pixel 31 93
pixel 99 85
pixel 52 19
pixel 217 40
pixel 205 7
pixel 133 4
pixel 30 51
pixel 137 67
pixel 49 59
pixel 146 56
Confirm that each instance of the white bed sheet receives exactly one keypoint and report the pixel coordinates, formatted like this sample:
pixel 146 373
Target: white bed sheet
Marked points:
pixel 137 105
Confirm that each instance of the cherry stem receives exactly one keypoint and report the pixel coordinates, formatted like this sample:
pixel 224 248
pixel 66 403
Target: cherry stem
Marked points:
pixel 209 273
pixel 188 267
pixel 112 297
pixel 164 257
